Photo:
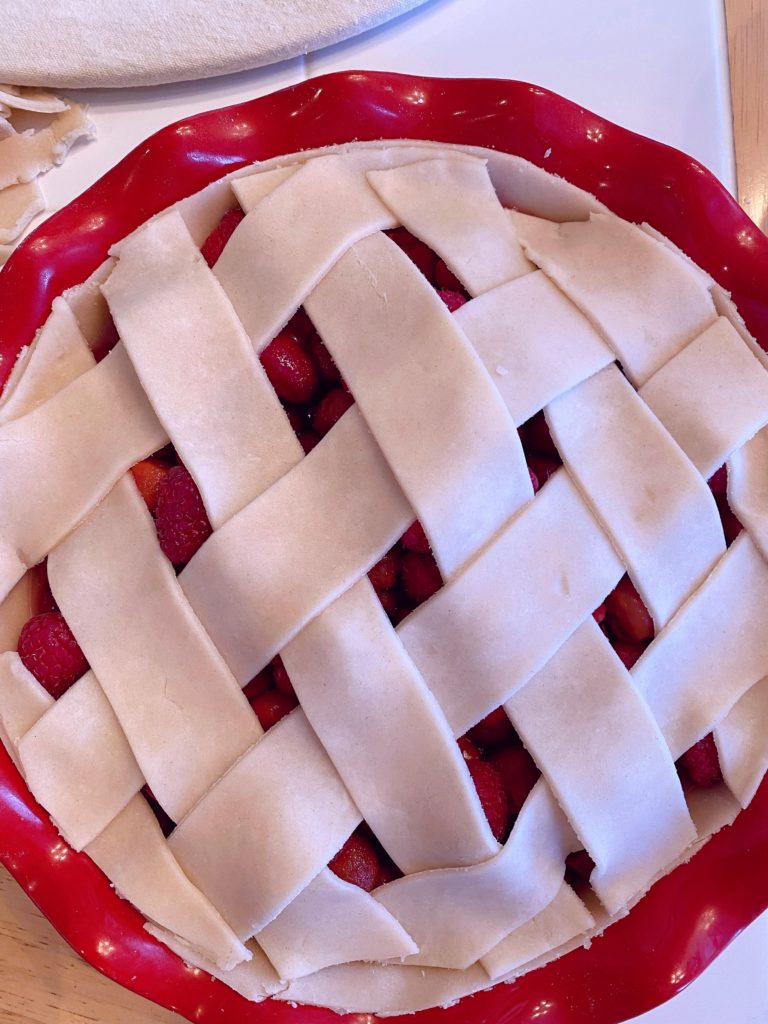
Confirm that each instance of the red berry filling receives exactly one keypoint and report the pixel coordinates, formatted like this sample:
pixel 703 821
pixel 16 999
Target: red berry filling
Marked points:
pixel 41 598
pixel 493 730
pixel 417 251
pixel 182 522
pixel 271 706
pixel 421 576
pixel 260 683
pixel 323 361
pixel 357 862
pixel 214 244
pixel 290 370
pixel 453 300
pixel 626 616
pixel 446 280
pixel 701 764
pixel 518 773
pixel 578 869
pixel 50 652
pixel 166 823
pixel 414 539
pixel 493 797
pixel 384 574
pixel 281 677
pixel 149 476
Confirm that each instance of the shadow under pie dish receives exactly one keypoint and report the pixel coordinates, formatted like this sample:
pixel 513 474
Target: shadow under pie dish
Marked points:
pixel 440 284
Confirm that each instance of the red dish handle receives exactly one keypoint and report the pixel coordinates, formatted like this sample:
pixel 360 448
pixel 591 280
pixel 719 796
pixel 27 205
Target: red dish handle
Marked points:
pixel 688 917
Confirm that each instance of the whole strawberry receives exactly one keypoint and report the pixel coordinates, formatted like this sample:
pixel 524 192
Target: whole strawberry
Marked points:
pixel 181 520
pixel 50 652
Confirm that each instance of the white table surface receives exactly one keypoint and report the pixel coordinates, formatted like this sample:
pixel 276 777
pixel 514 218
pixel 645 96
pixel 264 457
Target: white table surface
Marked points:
pixel 658 67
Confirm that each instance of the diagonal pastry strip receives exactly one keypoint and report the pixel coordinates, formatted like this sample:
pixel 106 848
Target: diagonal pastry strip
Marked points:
pixel 451 205
pixel 131 851
pixel 459 459
pixel 642 296
pixel 652 502
pixel 584 722
pixel 39 453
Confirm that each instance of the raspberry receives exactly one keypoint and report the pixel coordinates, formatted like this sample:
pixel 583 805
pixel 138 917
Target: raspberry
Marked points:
pixel 701 763
pixel 493 730
pixel 493 798
pixel 271 706
pixel 536 438
pixel 149 475
pixel 626 616
pixel 214 244
pixel 718 482
pixel 308 440
pixel 290 370
pixel 323 360
pixel 518 773
pixel 453 300
pixel 629 653
pixel 421 576
pixel 414 539
pixel 50 652
pixel 445 279
pixel 384 574
pixel 181 520
pixel 330 409
pixel 357 863
pixel 281 677
pixel 260 683
pixel 468 748
pixel 542 468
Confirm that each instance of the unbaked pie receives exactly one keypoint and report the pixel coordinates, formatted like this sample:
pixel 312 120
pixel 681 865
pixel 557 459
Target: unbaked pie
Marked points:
pixel 384 571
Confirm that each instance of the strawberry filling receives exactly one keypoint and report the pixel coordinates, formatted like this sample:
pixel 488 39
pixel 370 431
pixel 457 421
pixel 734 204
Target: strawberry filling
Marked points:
pixel 357 862
pixel 50 652
pixel 180 517
pixel 308 382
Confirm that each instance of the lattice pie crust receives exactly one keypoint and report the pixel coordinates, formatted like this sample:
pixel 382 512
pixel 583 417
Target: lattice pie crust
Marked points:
pixel 649 382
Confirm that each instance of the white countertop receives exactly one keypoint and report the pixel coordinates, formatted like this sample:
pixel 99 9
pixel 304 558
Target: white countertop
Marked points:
pixel 658 67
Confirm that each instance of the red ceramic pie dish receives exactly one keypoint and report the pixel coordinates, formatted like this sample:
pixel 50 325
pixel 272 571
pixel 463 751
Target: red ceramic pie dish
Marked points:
pixel 692 914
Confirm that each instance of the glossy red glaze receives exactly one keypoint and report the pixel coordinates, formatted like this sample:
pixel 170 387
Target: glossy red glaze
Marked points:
pixel 690 916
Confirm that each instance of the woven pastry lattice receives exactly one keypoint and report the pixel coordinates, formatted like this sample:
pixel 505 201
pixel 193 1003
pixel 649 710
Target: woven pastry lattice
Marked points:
pixel 648 381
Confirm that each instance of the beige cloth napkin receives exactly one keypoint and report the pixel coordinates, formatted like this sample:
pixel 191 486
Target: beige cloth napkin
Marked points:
pixel 75 43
